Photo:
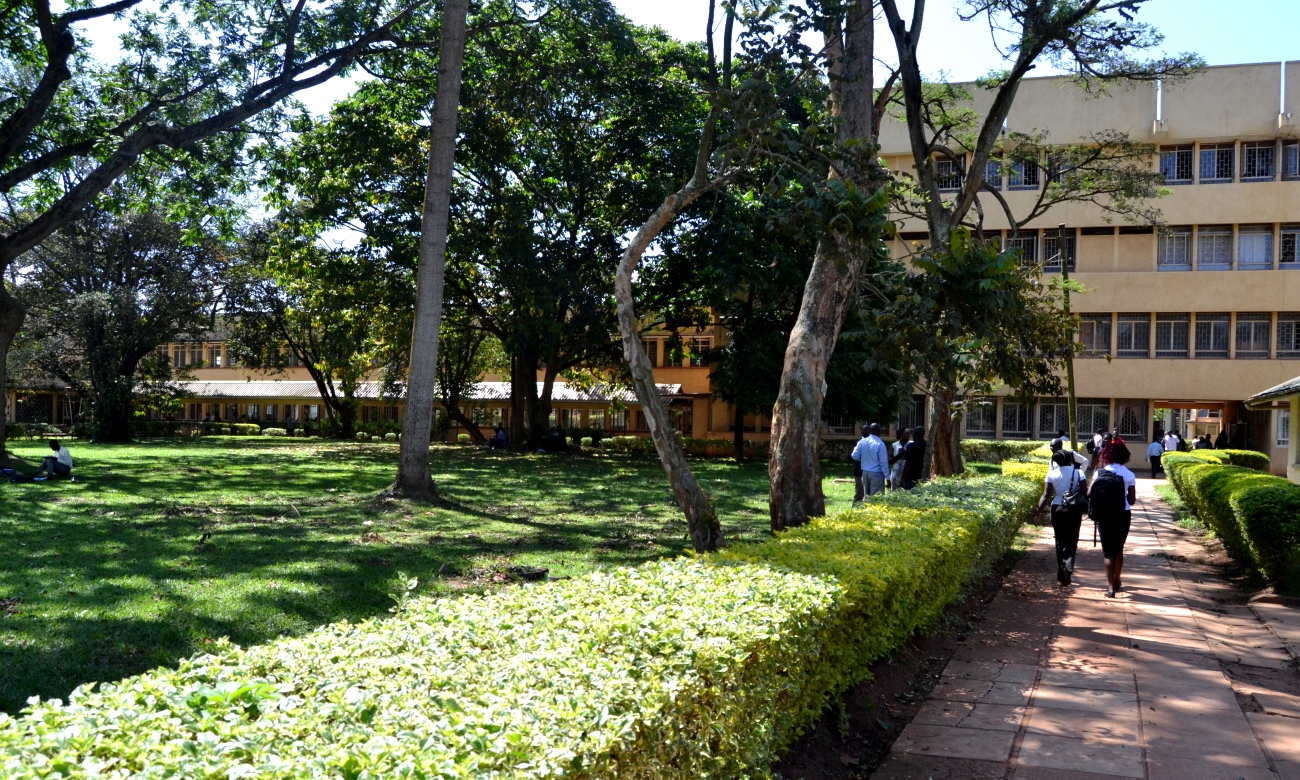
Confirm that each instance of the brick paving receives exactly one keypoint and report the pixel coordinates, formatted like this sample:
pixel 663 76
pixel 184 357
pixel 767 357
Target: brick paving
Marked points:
pixel 1176 678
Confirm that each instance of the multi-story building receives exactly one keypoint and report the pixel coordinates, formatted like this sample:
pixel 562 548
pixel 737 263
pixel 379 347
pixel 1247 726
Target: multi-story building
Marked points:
pixel 1180 326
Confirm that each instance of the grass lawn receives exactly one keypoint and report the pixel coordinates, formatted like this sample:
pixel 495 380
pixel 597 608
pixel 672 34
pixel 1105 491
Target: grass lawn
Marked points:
pixel 158 548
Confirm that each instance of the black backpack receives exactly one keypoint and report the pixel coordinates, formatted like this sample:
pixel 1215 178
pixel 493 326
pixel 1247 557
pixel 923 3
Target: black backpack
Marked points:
pixel 1107 496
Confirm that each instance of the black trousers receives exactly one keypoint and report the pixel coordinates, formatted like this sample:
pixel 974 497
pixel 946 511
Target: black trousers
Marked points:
pixel 1065 525
pixel 1155 466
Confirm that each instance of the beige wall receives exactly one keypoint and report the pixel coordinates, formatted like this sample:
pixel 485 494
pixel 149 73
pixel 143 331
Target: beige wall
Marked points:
pixel 1187 291
pixel 1293 459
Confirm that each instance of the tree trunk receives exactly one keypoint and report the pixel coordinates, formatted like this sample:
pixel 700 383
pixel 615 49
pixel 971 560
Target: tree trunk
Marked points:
pixel 12 314
pixel 738 437
pixel 795 465
pixel 945 447
pixel 454 412
pixel 519 426
pixel 413 478
pixel 347 417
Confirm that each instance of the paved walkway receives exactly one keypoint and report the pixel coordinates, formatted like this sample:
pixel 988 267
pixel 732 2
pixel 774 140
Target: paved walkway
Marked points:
pixel 1174 679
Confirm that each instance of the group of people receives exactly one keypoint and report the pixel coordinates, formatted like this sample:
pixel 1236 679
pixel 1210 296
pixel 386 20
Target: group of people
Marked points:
pixel 877 466
pixel 1101 485
pixel 1163 442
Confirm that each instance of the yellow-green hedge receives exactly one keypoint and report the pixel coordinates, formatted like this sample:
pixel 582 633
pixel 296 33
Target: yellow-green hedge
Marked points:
pixel 998 450
pixel 686 668
pixel 1035 472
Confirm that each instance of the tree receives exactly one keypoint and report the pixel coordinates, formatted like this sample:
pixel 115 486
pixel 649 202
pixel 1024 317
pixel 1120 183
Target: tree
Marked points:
pixel 335 312
pixel 465 353
pixel 179 101
pixel 1093 39
pixel 111 290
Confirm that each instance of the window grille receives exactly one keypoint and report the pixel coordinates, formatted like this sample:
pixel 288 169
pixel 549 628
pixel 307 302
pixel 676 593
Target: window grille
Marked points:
pixel 993 173
pixel 911 412
pixel 1131 419
pixel 1027 244
pixel 1291 160
pixel 1252 336
pixel 1133 336
pixel 1023 176
pixel 1284 427
pixel 1289 257
pixel 1017 420
pixel 981 417
pixel 1214 249
pixel 1212 335
pixel 1257 161
pixel 270 415
pixel 596 420
pixel 253 412
pixel 1172 335
pixel 700 350
pixel 570 418
pixel 1052 251
pixel 1094 334
pixel 948 174
pixel 1053 416
pixel 1216 163
pixel 1255 247
pixel 652 349
pixel 1174 250
pixel 1093 415
pixel 618 419
pixel 1288 334
pixel 1176 164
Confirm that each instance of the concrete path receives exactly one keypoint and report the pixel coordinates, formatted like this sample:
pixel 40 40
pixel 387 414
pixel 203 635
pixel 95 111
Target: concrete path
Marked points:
pixel 1175 678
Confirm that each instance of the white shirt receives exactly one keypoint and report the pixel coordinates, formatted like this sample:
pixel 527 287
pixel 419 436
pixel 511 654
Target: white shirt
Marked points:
pixel 1155 450
pixel 1079 459
pixel 64 457
pixel 1130 479
pixel 873 455
pixel 1171 443
pixel 1062 480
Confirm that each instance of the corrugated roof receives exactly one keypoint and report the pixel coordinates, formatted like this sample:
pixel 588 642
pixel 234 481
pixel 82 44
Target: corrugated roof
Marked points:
pixel 1287 388
pixel 484 391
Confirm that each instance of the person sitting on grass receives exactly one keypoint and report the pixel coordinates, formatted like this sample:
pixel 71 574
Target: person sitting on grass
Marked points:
pixel 57 465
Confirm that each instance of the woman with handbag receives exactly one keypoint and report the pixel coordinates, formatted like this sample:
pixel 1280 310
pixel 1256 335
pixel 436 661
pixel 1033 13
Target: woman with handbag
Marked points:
pixel 1066 487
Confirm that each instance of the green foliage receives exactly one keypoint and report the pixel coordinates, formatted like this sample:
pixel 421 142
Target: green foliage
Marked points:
pixel 1257 515
pixel 628 444
pixel 1245 458
pixel 587 442
pixel 462 438
pixel 391 437
pixel 1035 471
pixel 994 451
pixel 274 432
pixel 245 429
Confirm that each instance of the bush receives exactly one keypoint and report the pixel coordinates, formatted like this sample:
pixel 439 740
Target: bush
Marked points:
pixel 1034 471
pixel 222 430
pixel 462 438
pixel 1245 458
pixel 629 444
pixel 390 437
pixel 363 436
pixel 994 451
pixel 277 432
pixel 587 442
pixel 684 668
pixel 245 429
pixel 299 431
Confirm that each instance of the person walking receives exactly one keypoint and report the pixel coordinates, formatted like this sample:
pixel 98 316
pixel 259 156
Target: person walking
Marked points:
pixel 1170 442
pixel 1058 445
pixel 896 461
pixel 1221 441
pixel 914 459
pixel 1154 450
pixel 872 454
pixel 1064 488
pixel 1110 505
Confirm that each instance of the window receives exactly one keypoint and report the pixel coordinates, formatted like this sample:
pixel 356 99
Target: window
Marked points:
pixel 700 349
pixel 271 410
pixel 1212 335
pixel 1216 163
pixel 618 419
pixel 1254 247
pixel 981 417
pixel 254 412
pixel 1172 335
pixel 178 356
pixel 1214 248
pixel 1027 244
pixel 1131 419
pixel 313 412
pixel 596 420
pixel 652 349
pixel 1252 335
pixel 993 172
pixel 1053 416
pixel 1133 336
pixel 196 355
pixel 1176 164
pixel 1053 252
pixel 214 355
pixel 570 418
pixel 1284 427
pixel 1174 250
pixel 1094 333
pixel 948 174
pixel 1093 414
pixel 1290 244
pixel 1291 159
pixel 1288 334
pixel 1017 420
pixel 1024 175
pixel 1257 161
pixel 911 412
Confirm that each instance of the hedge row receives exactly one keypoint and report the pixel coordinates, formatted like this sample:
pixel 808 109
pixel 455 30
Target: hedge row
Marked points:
pixel 687 668
pixel 1257 515
pixel 1034 471
pixel 704 448
pixel 996 451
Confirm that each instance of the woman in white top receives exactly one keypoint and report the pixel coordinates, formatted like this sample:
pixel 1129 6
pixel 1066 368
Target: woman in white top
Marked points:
pixel 1064 478
pixel 896 459
pixel 1114 530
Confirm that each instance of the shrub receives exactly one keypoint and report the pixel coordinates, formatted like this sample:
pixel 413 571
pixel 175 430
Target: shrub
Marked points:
pixel 629 444
pixel 1035 471
pixel 222 430
pixel 245 429
pixel 587 442
pixel 363 436
pixel 390 437
pixel 994 451
pixel 1245 458
pixel 299 431
pixel 274 432
pixel 462 438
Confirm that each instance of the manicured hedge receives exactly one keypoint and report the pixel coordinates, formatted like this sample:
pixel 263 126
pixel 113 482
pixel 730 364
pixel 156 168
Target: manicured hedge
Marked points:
pixel 1257 515
pixel 277 432
pixel 996 451
pixel 1034 471
pixel 245 429
pixel 702 448
pixel 687 668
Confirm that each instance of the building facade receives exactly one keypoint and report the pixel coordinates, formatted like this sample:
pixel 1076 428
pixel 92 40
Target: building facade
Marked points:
pixel 1179 326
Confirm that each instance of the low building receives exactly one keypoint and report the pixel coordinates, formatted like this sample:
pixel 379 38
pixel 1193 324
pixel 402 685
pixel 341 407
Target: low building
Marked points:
pixel 1283 401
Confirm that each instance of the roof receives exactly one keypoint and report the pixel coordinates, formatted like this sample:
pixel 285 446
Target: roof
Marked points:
pixel 1287 388
pixel 370 391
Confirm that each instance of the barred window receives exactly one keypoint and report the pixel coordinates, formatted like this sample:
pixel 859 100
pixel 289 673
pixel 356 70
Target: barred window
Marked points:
pixel 1291 159
pixel 1053 416
pixel 1131 419
pixel 1172 335
pixel 1212 335
pixel 981 417
pixel 1054 250
pixel 618 419
pixel 1017 420
pixel 1023 176
pixel 1216 163
pixel 993 172
pixel 1176 164
pixel 1255 247
pixel 948 174
pixel 1284 427
pixel 652 349
pixel 1288 334
pixel 1027 244
pixel 1174 250
pixel 1133 336
pixel 1214 248
pixel 700 351
pixel 1290 246
pixel 1094 334
pixel 1252 335
pixel 1093 415
pixel 1257 161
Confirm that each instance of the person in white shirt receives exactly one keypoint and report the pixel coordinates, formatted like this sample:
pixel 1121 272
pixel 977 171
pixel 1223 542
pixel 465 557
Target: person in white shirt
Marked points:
pixel 896 460
pixel 1058 445
pixel 1064 478
pixel 1114 530
pixel 872 454
pixel 1154 450
pixel 1170 442
pixel 57 465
